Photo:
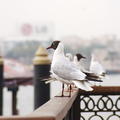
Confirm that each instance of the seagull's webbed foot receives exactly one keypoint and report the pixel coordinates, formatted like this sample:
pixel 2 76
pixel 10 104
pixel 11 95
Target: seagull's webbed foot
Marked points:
pixel 70 91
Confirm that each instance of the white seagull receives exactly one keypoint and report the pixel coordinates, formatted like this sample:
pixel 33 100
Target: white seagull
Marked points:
pixel 76 60
pixel 97 68
pixel 66 71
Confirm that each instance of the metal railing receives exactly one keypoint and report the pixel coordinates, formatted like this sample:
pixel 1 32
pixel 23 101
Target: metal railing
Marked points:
pixel 58 108
pixel 12 85
pixel 103 103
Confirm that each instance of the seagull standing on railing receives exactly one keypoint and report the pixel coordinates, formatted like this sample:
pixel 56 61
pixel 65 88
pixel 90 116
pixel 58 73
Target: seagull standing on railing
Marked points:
pixel 65 71
pixel 76 60
pixel 96 70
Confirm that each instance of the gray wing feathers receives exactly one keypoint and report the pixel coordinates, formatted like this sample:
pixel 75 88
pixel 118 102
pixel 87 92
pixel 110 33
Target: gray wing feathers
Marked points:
pixel 68 72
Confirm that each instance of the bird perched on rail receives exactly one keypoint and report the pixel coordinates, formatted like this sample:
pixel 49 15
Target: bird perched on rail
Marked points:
pixel 65 71
pixel 77 62
pixel 96 71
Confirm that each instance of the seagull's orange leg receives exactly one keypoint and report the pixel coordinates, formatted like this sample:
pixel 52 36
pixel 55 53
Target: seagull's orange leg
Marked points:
pixel 70 91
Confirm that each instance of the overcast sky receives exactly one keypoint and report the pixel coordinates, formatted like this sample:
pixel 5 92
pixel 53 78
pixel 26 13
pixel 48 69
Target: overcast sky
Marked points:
pixel 85 18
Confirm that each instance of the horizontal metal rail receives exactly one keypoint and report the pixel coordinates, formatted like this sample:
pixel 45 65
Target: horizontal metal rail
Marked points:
pixel 103 90
pixel 59 108
pixel 55 109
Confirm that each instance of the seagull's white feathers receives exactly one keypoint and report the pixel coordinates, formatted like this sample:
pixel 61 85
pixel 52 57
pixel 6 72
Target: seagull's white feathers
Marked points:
pixel 96 67
pixel 84 85
pixel 66 69
pixel 50 79
pixel 56 77
pixel 69 56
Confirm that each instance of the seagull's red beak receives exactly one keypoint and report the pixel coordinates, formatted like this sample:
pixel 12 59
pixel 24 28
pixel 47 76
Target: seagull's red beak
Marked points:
pixel 49 47
pixel 84 57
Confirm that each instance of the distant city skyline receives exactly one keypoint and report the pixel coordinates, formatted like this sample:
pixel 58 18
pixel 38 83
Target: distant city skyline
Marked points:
pixel 85 18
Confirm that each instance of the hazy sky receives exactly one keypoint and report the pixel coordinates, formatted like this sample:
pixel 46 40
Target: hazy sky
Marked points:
pixel 86 18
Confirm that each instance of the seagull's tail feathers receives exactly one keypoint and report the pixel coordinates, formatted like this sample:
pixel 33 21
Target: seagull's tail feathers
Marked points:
pixel 93 77
pixel 84 85
pixel 89 74
pixel 105 77
pixel 49 80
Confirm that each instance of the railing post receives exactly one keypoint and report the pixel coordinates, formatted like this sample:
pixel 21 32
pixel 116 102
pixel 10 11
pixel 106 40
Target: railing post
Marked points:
pixel 14 91
pixel 41 69
pixel 76 108
pixel 1 85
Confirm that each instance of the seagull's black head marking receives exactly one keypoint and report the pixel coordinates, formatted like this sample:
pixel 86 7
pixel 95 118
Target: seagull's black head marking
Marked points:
pixel 54 45
pixel 79 56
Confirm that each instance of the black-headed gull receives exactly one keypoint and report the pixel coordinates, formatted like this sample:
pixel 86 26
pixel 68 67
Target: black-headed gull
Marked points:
pixel 66 71
pixel 96 70
pixel 76 60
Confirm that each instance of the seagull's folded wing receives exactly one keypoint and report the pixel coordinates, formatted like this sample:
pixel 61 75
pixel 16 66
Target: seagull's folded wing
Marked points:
pixel 68 71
